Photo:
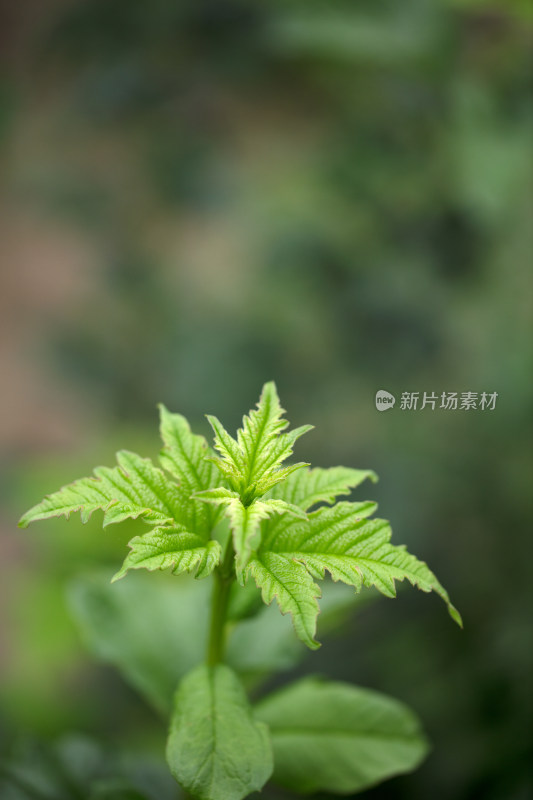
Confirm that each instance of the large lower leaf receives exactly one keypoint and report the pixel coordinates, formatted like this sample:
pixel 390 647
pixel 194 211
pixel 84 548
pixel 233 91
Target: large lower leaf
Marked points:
pixel 339 738
pixel 152 628
pixel 216 749
pixel 172 548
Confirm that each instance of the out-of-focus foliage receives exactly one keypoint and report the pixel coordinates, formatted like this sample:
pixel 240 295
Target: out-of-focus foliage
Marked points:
pixel 167 637
pixel 75 767
pixel 333 195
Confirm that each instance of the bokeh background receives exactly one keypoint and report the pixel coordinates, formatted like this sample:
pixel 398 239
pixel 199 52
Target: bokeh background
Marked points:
pixel 201 195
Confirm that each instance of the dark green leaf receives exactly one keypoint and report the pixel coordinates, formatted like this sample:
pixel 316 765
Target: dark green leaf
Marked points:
pixel 152 628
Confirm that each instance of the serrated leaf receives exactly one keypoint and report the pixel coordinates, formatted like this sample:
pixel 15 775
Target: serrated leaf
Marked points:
pixel 245 521
pixel 133 489
pixel 244 524
pixel 284 579
pixel 339 738
pixel 231 464
pixel 259 438
pixel 252 462
pixel 184 456
pixel 275 476
pixel 355 551
pixel 216 750
pixel 285 527
pixel 307 487
pixel 172 548
pixel 266 643
pixel 281 506
pixel 218 495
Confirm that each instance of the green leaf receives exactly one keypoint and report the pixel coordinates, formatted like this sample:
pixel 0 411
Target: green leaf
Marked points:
pixel 266 643
pixel 306 487
pixel 151 628
pixel 184 456
pixel 285 527
pixel 355 551
pixel 281 506
pixel 174 548
pixel 291 585
pixel 244 602
pixel 245 521
pixel 231 465
pixel 339 738
pixel 244 524
pixel 218 496
pixel 262 442
pixel 216 750
pixel 252 462
pixel 136 488
pixel 76 767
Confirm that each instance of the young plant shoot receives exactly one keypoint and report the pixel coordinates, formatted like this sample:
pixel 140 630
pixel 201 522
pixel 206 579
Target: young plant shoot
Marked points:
pixel 241 516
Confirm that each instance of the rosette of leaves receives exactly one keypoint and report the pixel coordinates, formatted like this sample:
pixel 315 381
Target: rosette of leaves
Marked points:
pixel 243 515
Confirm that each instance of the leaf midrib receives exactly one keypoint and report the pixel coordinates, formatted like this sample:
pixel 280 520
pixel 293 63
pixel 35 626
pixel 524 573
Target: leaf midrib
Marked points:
pixel 195 506
pixel 296 602
pixel 148 481
pixel 254 452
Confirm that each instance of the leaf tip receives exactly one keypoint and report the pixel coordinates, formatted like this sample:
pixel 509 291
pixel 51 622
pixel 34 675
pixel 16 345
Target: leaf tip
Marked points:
pixel 119 575
pixel 455 615
pixel 269 388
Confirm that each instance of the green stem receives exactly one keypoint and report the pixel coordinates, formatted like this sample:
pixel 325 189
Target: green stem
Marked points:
pixel 223 578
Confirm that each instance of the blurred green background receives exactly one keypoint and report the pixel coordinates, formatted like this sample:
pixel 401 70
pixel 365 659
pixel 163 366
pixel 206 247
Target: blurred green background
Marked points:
pixel 202 195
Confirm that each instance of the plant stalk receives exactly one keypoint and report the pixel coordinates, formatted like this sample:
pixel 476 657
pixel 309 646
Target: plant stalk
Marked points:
pixel 223 577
